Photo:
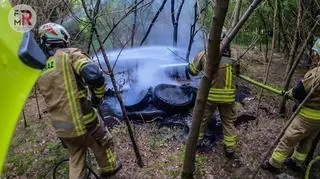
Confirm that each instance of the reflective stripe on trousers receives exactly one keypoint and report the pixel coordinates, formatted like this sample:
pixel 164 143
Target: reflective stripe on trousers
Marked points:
pixel 230 141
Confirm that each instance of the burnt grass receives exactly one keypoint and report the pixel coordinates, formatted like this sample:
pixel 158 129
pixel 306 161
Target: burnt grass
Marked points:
pixel 35 150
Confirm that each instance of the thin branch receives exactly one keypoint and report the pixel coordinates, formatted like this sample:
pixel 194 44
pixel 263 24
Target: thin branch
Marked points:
pixel 152 22
pixel 115 63
pixel 121 19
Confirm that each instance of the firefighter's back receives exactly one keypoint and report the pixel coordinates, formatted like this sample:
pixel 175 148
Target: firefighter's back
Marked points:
pixel 58 87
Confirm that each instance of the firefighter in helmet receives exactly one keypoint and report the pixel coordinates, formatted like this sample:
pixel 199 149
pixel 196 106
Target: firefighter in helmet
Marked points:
pixel 71 84
pixel 221 96
pixel 305 126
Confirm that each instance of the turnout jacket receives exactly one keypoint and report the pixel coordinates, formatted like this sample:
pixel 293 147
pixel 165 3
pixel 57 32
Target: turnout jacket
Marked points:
pixel 222 87
pixel 65 84
pixel 311 108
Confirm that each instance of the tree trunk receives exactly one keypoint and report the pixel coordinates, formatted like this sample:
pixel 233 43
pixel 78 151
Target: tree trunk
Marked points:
pixel 175 21
pixel 281 28
pixel 193 31
pixel 175 34
pixel 211 67
pixel 279 41
pixel 265 35
pixel 237 13
pixel 295 42
pixel 134 25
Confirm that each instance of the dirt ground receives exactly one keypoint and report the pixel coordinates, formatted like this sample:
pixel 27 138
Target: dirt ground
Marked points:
pixel 35 149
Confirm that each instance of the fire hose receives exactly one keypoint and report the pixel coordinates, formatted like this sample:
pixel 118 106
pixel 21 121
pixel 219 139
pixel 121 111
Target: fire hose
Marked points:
pixel 261 85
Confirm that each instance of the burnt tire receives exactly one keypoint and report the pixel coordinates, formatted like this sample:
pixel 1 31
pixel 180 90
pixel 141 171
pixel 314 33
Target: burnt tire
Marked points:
pixel 140 101
pixel 173 98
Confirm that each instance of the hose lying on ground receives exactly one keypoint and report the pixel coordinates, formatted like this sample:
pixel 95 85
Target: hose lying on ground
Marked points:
pixel 66 160
pixel 307 174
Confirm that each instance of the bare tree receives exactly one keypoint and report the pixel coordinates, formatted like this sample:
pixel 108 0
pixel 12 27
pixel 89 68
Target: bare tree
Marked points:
pixel 211 67
pixel 175 20
pixel 295 43
pixel 153 21
pixel 134 25
pixel 193 30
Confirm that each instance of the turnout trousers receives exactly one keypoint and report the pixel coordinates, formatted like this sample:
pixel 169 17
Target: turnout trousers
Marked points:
pixel 102 150
pixel 228 117
pixel 297 138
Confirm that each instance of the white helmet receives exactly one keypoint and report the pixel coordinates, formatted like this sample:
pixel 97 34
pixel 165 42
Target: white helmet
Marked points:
pixel 51 33
pixel 316 46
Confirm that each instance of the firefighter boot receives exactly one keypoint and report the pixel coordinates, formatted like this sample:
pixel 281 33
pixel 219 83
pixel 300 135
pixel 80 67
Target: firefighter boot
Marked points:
pixel 230 152
pixel 292 165
pixel 112 172
pixel 267 166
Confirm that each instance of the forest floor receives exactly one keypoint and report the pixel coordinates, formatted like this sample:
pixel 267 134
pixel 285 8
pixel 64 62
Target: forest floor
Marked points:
pixel 35 150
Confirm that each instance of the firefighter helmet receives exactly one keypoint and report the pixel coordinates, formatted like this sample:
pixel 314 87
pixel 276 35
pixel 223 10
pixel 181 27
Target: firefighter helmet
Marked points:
pixel 52 33
pixel 316 46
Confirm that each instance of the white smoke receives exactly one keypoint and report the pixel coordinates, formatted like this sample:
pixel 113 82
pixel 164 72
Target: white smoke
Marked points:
pixel 144 67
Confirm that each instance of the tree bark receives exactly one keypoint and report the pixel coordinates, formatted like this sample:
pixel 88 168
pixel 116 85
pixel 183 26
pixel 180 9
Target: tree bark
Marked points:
pixel 211 67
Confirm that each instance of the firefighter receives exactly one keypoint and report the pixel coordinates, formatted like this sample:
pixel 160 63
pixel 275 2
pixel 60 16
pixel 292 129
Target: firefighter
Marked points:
pixel 304 127
pixel 71 84
pixel 222 97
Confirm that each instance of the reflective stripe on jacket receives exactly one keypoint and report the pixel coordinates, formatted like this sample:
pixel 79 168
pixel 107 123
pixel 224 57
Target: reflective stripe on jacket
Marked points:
pixel 311 108
pixel 66 94
pixel 222 88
